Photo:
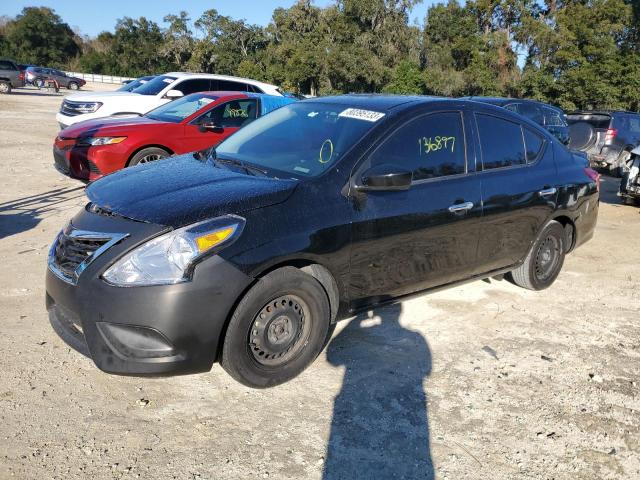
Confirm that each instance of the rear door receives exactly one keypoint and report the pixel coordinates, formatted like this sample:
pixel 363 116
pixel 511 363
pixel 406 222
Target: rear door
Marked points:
pixel 519 188
pixel 406 241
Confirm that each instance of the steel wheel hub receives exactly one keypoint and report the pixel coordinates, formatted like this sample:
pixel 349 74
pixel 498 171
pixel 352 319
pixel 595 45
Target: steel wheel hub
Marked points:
pixel 279 331
pixel 547 258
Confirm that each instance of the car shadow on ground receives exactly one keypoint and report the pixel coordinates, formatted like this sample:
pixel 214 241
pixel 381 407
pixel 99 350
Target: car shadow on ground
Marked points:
pixel 25 213
pixel 380 427
pixel 38 93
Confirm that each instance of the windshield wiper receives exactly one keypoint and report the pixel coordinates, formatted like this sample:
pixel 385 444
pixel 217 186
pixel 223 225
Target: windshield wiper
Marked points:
pixel 238 163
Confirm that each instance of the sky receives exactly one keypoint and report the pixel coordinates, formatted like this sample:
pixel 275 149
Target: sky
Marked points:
pixel 92 17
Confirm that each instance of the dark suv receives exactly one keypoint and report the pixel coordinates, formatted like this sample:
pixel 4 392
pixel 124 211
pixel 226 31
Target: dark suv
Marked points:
pixel 10 76
pixel 606 136
pixel 307 215
pixel 550 117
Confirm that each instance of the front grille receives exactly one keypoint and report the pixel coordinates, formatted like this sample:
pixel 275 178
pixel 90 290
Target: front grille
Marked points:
pixel 60 161
pixel 74 250
pixel 71 109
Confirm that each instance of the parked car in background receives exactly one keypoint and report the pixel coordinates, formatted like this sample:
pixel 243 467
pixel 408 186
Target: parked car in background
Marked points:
pixel 630 183
pixel 91 149
pixel 160 90
pixel 38 75
pixel 607 137
pixel 130 85
pixel 10 76
pixel 550 117
pixel 312 213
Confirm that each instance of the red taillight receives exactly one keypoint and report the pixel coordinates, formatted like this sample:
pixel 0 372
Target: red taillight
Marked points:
pixel 611 134
pixel 21 76
pixel 593 175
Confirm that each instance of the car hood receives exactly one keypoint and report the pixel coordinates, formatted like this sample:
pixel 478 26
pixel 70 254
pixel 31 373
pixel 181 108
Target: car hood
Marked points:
pixel 101 96
pixel 182 190
pixel 108 126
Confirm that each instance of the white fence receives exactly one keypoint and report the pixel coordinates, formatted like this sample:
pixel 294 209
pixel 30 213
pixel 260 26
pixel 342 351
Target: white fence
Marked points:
pixel 92 77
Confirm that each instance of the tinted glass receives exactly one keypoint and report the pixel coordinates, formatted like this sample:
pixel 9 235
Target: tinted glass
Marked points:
pixel 302 139
pixel 181 108
pixel 501 142
pixel 599 121
pixel 193 86
pixel 513 107
pixel 553 118
pixel 4 65
pixel 634 124
pixel 229 86
pixel 155 86
pixel 430 146
pixel 533 142
pixel 532 112
pixel 236 113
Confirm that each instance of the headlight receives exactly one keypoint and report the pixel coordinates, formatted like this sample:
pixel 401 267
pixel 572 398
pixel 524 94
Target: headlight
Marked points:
pixel 170 258
pixel 94 141
pixel 87 107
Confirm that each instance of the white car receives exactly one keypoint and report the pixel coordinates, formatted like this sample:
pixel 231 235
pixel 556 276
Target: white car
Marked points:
pixel 162 89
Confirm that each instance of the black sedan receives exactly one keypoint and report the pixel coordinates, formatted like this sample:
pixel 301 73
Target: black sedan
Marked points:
pixel 308 215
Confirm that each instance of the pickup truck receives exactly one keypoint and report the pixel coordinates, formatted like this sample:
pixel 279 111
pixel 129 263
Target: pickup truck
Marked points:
pixel 9 76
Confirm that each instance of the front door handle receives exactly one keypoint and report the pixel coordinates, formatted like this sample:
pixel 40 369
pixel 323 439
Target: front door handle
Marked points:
pixel 547 191
pixel 461 207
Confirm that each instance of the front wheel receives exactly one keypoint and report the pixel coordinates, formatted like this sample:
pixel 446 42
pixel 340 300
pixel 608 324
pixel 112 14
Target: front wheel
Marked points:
pixel 5 87
pixel 544 261
pixel 147 155
pixel 279 327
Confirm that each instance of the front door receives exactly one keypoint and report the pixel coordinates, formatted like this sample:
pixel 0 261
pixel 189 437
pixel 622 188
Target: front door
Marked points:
pixel 227 118
pixel 406 241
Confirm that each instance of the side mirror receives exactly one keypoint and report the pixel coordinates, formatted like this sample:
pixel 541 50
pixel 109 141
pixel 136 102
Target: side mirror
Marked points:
pixel 385 178
pixel 173 94
pixel 209 126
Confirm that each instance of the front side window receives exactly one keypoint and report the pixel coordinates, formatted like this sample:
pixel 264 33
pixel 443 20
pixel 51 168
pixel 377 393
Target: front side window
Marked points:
pixel 430 146
pixel 303 139
pixel 179 109
pixel 233 114
pixel 155 86
pixel 501 142
pixel 193 86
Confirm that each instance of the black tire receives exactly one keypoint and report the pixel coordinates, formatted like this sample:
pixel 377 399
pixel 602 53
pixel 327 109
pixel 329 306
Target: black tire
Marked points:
pixel 5 87
pixel 73 86
pixel 544 261
pixel 147 155
pixel 252 352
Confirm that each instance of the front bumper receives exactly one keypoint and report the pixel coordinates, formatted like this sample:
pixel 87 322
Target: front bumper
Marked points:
pixel 90 163
pixel 152 330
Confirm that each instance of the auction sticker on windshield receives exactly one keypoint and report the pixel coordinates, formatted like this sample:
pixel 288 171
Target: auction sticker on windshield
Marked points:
pixel 359 114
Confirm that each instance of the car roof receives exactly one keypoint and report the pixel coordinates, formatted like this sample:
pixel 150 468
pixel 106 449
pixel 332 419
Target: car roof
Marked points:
pixel 217 77
pixel 506 100
pixel 378 102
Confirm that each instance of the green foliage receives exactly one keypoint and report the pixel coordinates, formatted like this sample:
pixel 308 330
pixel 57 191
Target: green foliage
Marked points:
pixel 574 53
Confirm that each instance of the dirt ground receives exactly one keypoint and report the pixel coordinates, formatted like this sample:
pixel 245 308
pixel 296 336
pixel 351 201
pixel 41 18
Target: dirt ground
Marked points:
pixel 481 381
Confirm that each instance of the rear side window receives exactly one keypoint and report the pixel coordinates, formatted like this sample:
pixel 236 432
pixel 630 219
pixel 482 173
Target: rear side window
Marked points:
pixel 533 144
pixel 430 146
pixel 4 65
pixel 552 118
pixel 501 142
pixel 229 86
pixel 634 124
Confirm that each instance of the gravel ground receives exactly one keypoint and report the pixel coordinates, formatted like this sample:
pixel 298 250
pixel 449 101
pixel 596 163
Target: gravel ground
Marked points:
pixel 481 381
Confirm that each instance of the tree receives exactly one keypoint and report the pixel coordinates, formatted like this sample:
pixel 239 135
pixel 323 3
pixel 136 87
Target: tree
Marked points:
pixel 39 36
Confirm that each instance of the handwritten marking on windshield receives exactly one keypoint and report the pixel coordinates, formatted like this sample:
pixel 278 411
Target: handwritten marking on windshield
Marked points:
pixel 426 145
pixel 326 145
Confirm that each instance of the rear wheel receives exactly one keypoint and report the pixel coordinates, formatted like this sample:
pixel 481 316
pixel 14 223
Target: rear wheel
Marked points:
pixel 5 87
pixel 147 155
pixel 544 262
pixel 73 86
pixel 38 82
pixel 279 327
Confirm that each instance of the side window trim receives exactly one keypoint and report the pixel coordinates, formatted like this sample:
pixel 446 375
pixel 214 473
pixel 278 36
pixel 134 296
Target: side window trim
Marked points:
pixel 361 164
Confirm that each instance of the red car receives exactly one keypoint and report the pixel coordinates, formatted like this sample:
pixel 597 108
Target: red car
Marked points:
pixel 88 150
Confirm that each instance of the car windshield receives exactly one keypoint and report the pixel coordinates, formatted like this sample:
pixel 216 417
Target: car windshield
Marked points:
pixel 182 108
pixel 132 85
pixel 301 138
pixel 155 86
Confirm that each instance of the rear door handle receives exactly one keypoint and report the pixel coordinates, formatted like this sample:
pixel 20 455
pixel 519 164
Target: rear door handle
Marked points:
pixel 547 191
pixel 461 207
